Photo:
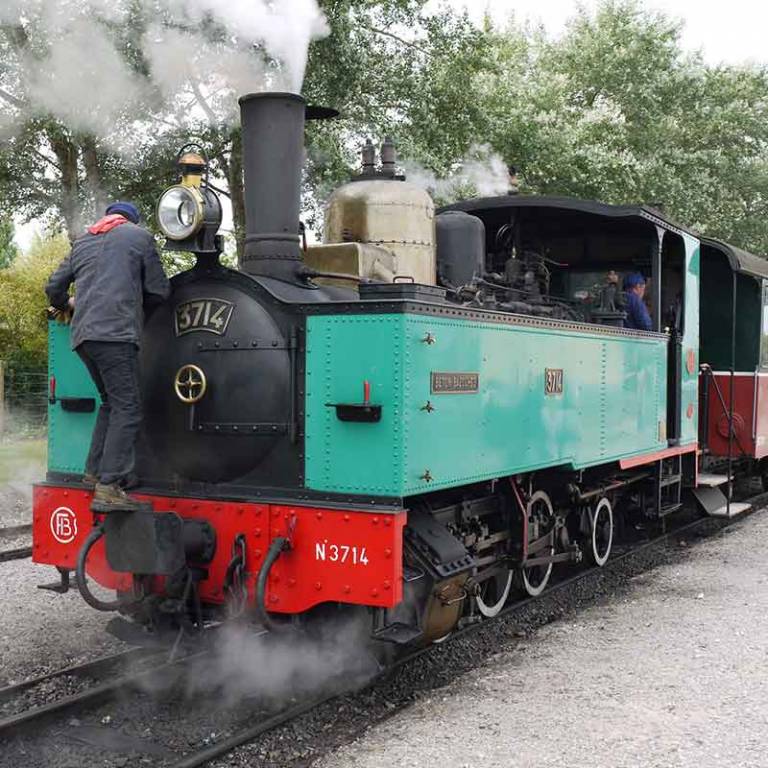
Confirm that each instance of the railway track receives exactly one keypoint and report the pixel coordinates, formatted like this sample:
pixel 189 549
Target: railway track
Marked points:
pixel 15 532
pixel 210 753
pixel 111 681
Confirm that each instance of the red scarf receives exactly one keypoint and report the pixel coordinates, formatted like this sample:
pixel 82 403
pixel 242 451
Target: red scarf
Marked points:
pixel 106 223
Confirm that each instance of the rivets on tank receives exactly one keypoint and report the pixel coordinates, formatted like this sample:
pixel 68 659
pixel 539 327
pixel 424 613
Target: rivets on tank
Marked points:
pixel 388 553
pixel 386 584
pixel 235 343
pixel 374 592
pixel 346 518
pixel 291 582
pixel 375 520
pixel 347 589
pixel 318 585
pixel 257 533
pixel 319 515
pixel 273 598
pixel 217 344
pixel 387 522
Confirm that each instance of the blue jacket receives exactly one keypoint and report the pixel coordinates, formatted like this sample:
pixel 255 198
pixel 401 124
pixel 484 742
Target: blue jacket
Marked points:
pixel 637 314
pixel 115 274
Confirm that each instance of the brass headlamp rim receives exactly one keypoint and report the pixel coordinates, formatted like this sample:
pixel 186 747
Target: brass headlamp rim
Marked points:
pixel 194 192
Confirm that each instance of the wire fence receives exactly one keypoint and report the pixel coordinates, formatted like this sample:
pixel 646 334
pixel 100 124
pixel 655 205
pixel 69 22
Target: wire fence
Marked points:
pixel 24 401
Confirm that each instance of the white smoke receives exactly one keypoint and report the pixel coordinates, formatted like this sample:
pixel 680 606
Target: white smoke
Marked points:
pixel 76 66
pixel 482 173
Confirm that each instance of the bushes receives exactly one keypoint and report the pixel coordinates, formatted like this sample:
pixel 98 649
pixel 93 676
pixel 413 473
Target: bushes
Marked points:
pixel 23 324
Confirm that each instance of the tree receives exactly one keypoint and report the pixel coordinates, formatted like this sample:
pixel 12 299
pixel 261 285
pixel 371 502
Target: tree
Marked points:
pixel 8 250
pixel 56 168
pixel 23 323
pixel 615 110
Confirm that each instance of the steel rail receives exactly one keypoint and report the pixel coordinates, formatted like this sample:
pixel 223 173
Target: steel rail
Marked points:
pixel 9 531
pixel 13 725
pixel 95 668
pixel 206 755
pixel 17 553
pixel 20 553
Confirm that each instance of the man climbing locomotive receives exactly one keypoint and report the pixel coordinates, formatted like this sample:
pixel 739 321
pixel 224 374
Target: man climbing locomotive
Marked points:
pixel 116 270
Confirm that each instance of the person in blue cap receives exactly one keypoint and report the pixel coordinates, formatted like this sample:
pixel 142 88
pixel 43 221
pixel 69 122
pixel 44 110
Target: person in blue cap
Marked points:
pixel 637 313
pixel 117 272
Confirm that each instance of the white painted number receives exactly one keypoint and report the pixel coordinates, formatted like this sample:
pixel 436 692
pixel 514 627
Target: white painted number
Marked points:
pixel 340 553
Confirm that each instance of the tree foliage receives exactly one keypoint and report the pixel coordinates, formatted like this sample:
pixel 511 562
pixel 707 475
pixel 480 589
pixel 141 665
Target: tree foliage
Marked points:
pixel 615 110
pixel 23 323
pixel 8 250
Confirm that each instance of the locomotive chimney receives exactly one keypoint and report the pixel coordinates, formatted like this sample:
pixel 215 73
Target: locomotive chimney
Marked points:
pixel 273 155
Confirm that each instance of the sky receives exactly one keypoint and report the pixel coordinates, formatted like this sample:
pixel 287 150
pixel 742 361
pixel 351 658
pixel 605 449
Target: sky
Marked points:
pixel 732 32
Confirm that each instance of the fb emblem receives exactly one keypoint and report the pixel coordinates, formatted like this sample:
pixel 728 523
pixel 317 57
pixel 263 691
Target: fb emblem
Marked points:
pixel 63 525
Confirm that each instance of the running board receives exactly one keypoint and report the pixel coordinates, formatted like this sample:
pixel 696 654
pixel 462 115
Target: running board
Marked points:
pixel 713 501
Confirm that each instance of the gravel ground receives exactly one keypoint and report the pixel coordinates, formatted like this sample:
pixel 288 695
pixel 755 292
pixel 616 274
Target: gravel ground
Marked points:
pixel 655 657
pixel 15 504
pixel 41 631
pixel 669 675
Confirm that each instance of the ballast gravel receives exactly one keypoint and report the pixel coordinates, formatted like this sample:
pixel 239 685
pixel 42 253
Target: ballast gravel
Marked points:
pixel 655 662
pixel 41 631
pixel 670 674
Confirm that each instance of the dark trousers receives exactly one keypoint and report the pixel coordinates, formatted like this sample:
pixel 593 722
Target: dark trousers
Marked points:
pixel 114 368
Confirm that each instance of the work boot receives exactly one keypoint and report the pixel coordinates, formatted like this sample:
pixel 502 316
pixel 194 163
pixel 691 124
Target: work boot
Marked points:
pixel 112 498
pixel 89 480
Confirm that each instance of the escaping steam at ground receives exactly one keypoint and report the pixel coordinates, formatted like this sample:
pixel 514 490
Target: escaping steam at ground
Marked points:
pixel 95 63
pixel 272 668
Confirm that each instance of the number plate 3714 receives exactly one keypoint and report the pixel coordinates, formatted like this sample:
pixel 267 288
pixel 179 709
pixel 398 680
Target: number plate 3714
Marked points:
pixel 212 315
pixel 325 551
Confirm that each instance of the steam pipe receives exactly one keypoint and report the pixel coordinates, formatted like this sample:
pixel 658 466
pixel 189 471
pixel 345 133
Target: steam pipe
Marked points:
pixel 276 548
pixel 273 155
pixel 82 586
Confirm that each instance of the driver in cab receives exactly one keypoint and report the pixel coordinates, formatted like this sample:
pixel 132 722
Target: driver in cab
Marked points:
pixel 637 318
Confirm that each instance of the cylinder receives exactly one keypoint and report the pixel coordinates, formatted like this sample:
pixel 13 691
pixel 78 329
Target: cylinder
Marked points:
pixel 273 155
pixel 460 248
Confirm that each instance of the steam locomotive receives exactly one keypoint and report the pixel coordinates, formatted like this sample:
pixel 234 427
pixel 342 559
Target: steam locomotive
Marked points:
pixel 413 419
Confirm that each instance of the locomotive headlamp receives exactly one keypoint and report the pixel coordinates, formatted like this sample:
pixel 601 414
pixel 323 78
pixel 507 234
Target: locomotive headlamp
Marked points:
pixel 180 212
pixel 189 213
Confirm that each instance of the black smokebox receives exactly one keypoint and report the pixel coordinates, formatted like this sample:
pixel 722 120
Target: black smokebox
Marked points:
pixel 273 156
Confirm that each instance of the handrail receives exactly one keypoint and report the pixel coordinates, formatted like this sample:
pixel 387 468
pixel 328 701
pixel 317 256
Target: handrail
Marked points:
pixel 706 369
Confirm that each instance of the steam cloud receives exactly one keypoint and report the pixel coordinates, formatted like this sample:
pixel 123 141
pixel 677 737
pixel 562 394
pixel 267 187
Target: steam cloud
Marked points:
pixel 482 172
pixel 268 668
pixel 200 54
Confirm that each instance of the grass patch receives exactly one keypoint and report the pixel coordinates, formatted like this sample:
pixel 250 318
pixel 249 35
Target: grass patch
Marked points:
pixel 23 459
